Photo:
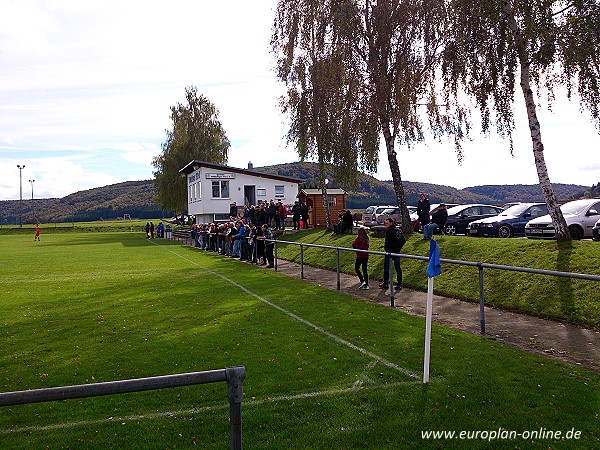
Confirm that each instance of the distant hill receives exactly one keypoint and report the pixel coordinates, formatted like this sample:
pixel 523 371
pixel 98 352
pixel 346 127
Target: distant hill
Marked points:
pixel 372 191
pixel 108 202
pixel 135 197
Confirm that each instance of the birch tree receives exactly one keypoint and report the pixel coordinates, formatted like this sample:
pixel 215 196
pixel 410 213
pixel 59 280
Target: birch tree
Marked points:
pixel 386 53
pixel 326 121
pixel 542 44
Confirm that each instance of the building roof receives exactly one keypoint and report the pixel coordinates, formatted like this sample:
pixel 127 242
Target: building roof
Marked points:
pixel 319 192
pixel 194 165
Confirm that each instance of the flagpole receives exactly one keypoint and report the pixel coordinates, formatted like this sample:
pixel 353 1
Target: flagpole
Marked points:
pixel 428 329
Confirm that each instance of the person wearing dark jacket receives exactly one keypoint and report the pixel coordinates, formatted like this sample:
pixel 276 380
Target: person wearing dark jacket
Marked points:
pixel 394 240
pixel 439 216
pixel 423 208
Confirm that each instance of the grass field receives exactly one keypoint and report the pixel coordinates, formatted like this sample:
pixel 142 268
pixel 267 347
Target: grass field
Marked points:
pixel 570 300
pixel 323 369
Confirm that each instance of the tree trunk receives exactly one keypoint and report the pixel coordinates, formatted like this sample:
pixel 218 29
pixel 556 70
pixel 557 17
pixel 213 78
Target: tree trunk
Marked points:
pixel 396 178
pixel 558 220
pixel 323 187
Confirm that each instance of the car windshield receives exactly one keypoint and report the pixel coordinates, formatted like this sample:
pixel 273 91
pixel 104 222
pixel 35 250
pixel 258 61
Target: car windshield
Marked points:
pixel 515 210
pixel 456 209
pixel 575 207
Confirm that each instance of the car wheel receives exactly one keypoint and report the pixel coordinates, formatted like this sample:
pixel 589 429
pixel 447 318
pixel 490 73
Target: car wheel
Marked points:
pixel 450 229
pixel 504 231
pixel 576 233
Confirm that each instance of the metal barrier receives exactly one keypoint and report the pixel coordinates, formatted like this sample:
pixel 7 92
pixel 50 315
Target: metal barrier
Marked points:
pixel 233 375
pixel 480 266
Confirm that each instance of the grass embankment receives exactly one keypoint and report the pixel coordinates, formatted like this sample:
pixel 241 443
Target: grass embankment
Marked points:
pixel 85 308
pixel 564 299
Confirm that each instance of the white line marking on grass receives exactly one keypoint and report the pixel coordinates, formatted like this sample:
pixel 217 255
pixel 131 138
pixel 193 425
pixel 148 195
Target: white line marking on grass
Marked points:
pixel 192 411
pixel 332 336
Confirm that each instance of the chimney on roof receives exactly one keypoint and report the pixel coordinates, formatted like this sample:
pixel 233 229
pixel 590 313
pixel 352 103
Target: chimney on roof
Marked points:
pixel 250 165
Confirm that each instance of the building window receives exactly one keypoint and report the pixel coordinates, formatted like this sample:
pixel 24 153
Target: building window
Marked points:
pixel 220 189
pixel 332 200
pixel 279 192
pixel 261 192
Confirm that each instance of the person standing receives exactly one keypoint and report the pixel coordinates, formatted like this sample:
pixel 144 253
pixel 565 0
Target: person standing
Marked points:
pixel 362 258
pixel 296 215
pixel 394 240
pixel 233 211
pixel 267 234
pixel 37 232
pixel 423 208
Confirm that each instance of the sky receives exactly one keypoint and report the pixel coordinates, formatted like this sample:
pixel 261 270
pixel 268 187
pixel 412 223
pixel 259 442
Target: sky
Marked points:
pixel 86 87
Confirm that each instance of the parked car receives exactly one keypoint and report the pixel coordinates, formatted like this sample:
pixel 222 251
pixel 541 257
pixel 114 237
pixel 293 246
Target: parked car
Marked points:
pixel 509 204
pixel 372 212
pixel 510 222
pixel 415 219
pixel 394 213
pixel 596 231
pixel 580 215
pixel 459 217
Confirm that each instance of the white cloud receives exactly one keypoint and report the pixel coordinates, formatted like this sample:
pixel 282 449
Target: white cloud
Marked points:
pixel 86 90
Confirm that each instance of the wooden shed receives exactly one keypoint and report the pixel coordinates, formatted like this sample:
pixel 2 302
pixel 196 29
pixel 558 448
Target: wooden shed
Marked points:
pixel 313 198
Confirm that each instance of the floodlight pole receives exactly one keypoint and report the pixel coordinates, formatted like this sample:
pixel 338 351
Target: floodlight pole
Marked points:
pixel 20 193
pixel 32 204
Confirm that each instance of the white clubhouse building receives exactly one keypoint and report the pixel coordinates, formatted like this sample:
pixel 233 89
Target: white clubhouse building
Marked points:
pixel 213 187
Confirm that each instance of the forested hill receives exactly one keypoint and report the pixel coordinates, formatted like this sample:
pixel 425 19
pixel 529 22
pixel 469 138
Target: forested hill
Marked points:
pixel 136 197
pixel 108 202
pixel 371 191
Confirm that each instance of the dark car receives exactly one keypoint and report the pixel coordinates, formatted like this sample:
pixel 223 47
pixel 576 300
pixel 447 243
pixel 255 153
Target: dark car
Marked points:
pixel 596 231
pixel 459 217
pixel 508 223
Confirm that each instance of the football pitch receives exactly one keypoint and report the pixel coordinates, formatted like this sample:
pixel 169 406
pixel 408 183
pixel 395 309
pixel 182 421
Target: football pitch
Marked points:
pixel 323 369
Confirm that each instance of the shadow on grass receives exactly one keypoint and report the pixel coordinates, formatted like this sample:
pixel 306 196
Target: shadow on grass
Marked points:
pixel 126 239
pixel 565 285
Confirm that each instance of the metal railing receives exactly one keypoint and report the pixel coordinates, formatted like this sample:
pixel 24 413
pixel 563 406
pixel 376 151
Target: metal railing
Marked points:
pixel 480 266
pixel 234 376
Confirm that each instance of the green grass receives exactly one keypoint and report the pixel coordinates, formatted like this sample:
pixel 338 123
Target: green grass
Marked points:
pixel 89 307
pixel 81 227
pixel 565 299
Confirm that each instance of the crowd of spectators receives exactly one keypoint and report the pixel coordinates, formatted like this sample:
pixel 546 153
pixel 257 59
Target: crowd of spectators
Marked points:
pixel 245 236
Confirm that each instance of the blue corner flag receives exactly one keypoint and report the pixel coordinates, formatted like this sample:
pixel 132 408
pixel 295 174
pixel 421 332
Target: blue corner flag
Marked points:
pixel 434 268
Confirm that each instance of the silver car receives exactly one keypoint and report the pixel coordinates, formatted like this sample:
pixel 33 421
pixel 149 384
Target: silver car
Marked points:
pixel 394 214
pixel 580 215
pixel 372 212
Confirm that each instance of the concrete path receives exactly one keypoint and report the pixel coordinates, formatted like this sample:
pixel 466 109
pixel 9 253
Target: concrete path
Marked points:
pixel 565 342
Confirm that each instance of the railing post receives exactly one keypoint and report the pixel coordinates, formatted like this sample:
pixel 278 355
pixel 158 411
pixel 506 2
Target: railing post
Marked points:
pixel 481 300
pixel 337 251
pixel 301 262
pixel 235 394
pixel 391 278
pixel 274 254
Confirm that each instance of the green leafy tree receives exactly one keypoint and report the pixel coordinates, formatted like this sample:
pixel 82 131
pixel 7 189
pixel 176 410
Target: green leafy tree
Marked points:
pixel 196 133
pixel 495 44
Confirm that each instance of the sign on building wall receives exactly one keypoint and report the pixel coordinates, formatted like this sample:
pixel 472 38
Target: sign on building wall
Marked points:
pixel 220 176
